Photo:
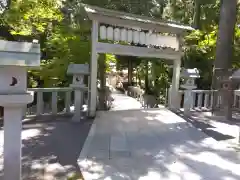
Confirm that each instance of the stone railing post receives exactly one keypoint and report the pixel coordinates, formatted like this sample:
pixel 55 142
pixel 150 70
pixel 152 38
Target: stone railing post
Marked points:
pixel 39 102
pixel 67 101
pixel 206 100
pixel 54 103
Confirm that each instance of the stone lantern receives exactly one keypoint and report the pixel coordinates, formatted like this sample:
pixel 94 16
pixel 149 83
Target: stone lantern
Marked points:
pixel 189 76
pixel 222 98
pixel 236 81
pixel 15 58
pixel 79 71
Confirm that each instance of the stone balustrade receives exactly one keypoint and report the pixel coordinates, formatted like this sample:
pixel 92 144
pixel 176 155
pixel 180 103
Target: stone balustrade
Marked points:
pixel 55 101
pixel 202 99
pixel 50 101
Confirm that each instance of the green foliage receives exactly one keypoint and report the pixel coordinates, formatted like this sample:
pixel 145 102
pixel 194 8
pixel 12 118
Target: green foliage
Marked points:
pixel 64 46
pixel 109 59
pixel 64 34
pixel 31 17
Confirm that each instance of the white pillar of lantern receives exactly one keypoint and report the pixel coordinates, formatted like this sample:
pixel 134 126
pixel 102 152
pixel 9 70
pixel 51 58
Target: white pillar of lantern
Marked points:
pixel 189 76
pixel 79 71
pixel 15 57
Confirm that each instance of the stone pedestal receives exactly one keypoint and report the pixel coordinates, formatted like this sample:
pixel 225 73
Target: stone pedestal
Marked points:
pixel 12 142
pixel 188 100
pixel 13 105
pixel 78 99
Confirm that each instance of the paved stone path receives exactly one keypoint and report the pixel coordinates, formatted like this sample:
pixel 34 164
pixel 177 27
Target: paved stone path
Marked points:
pixel 154 145
pixel 124 102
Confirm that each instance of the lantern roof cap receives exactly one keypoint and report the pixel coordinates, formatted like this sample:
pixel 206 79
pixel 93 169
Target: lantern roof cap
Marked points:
pixel 190 73
pixel 78 69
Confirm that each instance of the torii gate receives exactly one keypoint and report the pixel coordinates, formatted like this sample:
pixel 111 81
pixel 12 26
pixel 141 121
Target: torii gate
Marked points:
pixel 122 29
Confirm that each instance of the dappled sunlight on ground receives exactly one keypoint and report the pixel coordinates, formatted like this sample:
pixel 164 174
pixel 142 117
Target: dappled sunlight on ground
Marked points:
pixel 155 145
pixel 30 133
pixel 50 149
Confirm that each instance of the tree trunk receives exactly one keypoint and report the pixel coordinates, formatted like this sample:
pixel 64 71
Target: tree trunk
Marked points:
pixel 173 8
pixel 224 51
pixel 197 14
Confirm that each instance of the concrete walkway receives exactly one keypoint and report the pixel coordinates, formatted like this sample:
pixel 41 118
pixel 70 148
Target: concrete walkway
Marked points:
pixel 153 145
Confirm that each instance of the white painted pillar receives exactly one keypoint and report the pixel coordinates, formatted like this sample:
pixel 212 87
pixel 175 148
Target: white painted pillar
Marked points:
pixel 77 105
pixel 93 71
pixel 12 143
pixel 175 99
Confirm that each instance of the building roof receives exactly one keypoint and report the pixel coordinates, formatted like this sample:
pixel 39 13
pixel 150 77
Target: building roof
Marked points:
pixel 131 20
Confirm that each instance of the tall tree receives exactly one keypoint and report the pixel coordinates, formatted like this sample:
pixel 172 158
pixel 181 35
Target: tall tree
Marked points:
pixel 224 51
pixel 197 13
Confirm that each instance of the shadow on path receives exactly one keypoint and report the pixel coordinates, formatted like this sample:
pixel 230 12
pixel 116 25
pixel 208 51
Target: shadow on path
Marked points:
pixel 161 146
pixel 50 149
pixel 205 126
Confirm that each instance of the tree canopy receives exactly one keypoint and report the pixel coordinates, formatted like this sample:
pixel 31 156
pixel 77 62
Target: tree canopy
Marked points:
pixel 64 32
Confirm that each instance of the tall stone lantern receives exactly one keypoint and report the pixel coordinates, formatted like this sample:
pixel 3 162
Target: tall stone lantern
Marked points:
pixel 222 99
pixel 236 80
pixel 189 76
pixel 15 58
pixel 79 71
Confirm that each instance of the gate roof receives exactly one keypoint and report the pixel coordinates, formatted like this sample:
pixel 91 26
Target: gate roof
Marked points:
pixel 128 20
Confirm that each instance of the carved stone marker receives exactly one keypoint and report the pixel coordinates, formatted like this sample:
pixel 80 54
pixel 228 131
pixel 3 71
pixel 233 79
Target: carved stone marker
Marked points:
pixel 15 57
pixel 78 71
